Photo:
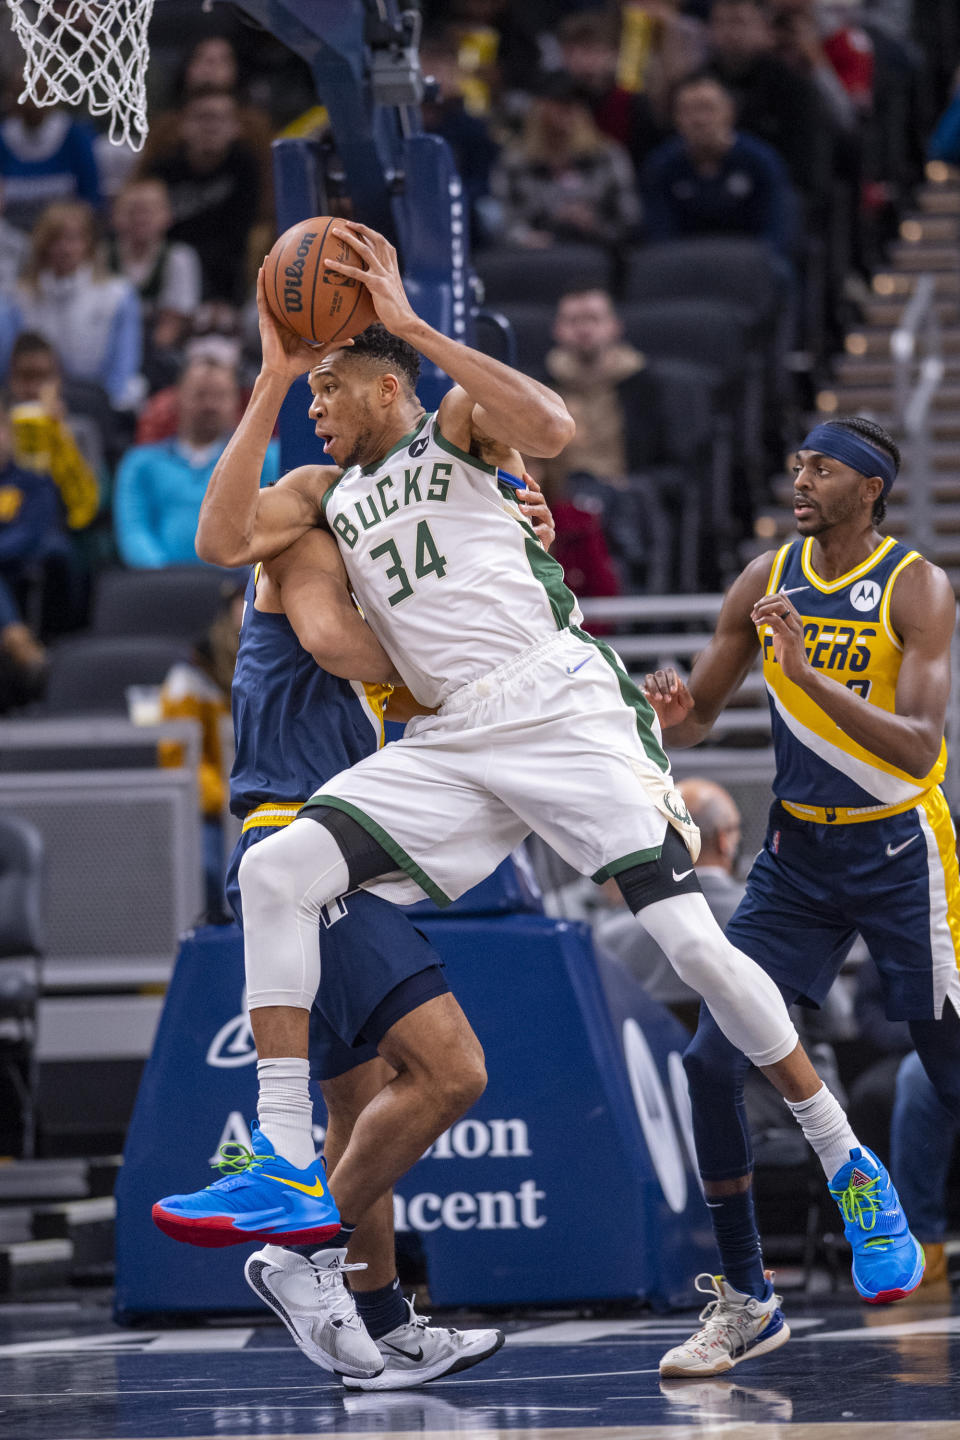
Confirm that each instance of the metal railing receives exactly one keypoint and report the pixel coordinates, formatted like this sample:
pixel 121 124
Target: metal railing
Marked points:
pixel 643 649
pixel 918 370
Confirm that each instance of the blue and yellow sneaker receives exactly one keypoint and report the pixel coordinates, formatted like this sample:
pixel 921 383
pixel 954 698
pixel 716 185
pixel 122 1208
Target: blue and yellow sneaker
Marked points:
pixel 887 1260
pixel 261 1197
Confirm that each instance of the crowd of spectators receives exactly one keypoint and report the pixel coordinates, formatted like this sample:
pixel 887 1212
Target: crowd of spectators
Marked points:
pixel 583 128
pixel 126 280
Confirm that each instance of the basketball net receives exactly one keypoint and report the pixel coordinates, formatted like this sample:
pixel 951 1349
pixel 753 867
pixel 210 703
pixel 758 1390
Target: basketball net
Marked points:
pixel 92 50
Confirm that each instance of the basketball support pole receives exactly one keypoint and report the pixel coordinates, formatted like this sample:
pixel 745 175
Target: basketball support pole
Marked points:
pixel 403 182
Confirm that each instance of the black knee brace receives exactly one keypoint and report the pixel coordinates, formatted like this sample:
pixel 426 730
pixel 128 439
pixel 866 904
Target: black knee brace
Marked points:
pixel 672 874
pixel 365 857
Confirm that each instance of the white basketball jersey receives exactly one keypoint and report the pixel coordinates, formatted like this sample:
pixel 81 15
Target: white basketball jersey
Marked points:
pixel 448 572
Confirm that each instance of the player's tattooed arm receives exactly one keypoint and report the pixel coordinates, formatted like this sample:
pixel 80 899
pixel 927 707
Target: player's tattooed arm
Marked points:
pixel 923 614
pixel 687 709
pixel 311 584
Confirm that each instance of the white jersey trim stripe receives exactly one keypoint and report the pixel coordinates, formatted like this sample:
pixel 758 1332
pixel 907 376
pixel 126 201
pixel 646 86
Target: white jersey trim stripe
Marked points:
pixel 946 979
pixel 885 787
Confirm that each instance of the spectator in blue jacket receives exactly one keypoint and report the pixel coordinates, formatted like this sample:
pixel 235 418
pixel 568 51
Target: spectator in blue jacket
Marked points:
pixel 45 155
pixel 159 488
pixel 711 180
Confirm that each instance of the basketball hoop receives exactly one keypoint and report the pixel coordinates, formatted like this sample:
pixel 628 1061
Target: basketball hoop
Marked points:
pixel 92 50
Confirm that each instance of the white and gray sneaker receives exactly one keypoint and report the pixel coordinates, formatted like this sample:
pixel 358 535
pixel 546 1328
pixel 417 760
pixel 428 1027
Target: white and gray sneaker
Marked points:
pixel 317 1308
pixel 417 1351
pixel 735 1327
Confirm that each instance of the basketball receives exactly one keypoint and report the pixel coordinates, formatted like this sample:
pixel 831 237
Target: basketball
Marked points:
pixel 309 297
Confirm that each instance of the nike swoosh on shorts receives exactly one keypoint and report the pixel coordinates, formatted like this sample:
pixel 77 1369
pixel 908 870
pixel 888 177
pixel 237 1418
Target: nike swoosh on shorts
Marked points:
pixel 895 849
pixel 683 874
pixel 572 669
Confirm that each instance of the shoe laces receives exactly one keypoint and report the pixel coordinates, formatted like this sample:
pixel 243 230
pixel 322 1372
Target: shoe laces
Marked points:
pixel 338 1299
pixel 422 1322
pixel 236 1159
pixel 721 1315
pixel 859 1204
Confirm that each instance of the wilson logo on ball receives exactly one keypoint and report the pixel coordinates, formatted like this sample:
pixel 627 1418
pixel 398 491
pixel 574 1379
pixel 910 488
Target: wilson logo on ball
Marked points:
pixel 293 273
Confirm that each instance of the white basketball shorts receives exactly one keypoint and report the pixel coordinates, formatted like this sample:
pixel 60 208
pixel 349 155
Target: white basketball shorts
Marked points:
pixel 558 740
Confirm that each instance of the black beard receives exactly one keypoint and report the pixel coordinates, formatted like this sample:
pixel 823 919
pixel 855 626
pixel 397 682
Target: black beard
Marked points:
pixel 360 453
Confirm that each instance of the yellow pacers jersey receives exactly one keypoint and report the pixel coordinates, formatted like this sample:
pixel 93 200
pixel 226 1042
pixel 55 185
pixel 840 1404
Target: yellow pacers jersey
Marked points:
pixel 821 773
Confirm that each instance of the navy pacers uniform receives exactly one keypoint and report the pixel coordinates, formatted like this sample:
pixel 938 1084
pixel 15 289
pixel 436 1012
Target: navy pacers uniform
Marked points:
pixel 853 844
pixel 295 727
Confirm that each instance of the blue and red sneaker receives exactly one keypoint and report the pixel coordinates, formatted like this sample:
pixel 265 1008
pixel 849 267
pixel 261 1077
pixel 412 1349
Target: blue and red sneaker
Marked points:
pixel 887 1260
pixel 261 1197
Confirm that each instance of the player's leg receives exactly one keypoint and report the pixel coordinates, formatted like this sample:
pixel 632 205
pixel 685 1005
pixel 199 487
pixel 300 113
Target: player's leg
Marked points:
pixel 593 781
pixel 453 836
pixel 372 1242
pixel 435 1071
pixel 286 883
pixel 439 1074
pixel 278 1192
pixel 412 1350
pixel 302 1285
pixel 938 1048
pixel 922 1136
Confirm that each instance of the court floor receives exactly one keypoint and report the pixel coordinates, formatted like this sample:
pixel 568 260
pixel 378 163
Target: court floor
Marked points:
pixel 68 1373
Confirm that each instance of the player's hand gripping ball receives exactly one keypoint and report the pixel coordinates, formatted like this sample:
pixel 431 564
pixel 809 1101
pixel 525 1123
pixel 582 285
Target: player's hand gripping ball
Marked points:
pixel 311 298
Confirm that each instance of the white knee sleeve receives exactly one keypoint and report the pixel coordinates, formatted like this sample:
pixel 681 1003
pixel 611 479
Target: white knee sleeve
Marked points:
pixel 284 881
pixel 743 1000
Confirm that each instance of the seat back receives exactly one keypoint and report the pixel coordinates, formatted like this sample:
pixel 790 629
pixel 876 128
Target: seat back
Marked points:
pixel 737 271
pixel 90 675
pixel 21 876
pixel 543 275
pixel 179 601
pixel 704 332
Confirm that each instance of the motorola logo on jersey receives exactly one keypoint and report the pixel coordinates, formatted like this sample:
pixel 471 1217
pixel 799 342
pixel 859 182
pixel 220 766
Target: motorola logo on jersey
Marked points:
pixel 865 595
pixel 418 447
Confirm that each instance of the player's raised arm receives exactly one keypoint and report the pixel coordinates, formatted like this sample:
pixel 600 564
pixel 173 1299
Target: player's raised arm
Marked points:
pixel 240 523
pixel 503 403
pixel 313 591
pixel 686 711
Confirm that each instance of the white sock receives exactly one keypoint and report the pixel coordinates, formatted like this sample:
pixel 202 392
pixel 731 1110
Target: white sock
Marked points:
pixel 826 1128
pixel 285 1109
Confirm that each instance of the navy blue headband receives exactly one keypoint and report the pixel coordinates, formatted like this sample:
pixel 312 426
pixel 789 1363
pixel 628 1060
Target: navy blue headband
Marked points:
pixel 851 449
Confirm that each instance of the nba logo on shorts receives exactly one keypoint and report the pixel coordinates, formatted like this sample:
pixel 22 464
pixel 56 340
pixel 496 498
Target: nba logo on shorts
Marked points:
pixel 775 842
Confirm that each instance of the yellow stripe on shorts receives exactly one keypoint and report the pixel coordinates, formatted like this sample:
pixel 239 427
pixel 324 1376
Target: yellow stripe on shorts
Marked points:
pixel 937 811
pixel 272 815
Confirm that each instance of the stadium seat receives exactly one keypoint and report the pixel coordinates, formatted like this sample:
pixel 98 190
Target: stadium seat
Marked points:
pixel 704 332
pixel 180 601
pixel 90 675
pixel 715 336
pixel 738 272
pixel 544 275
pixel 532 325
pixel 21 946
